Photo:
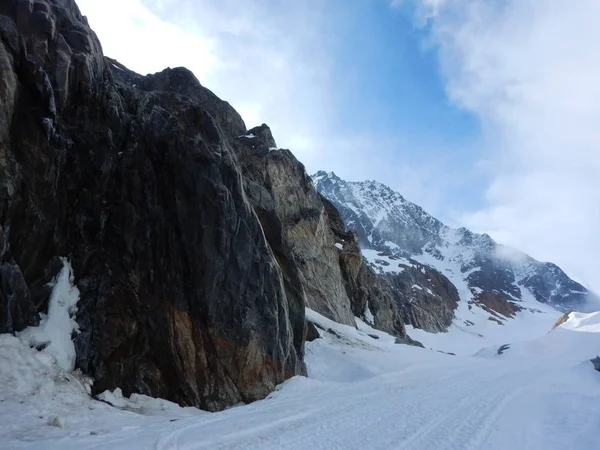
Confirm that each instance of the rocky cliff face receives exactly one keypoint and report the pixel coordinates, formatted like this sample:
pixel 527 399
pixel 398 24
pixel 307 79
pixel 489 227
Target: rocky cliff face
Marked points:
pixel 426 298
pixel 312 237
pixel 278 186
pixel 433 267
pixel 195 242
pixel 136 181
pixel 369 295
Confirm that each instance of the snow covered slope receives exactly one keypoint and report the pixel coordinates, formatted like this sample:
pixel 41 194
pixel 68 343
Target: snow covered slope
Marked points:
pixel 386 222
pixel 494 283
pixel 363 391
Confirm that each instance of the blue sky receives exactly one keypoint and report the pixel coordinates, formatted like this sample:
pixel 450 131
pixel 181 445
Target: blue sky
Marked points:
pixel 389 82
pixel 487 116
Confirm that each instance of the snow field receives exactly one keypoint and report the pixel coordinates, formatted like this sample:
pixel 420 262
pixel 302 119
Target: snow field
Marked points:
pixel 361 393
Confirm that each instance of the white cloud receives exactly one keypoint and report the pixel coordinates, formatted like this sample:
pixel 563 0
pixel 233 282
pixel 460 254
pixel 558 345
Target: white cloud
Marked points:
pixel 529 70
pixel 133 34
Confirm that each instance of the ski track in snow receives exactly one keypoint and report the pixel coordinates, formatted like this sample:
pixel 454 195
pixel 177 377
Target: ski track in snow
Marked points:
pixel 361 393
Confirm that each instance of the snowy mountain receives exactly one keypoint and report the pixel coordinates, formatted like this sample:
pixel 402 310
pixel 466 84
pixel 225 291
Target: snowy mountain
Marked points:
pixel 427 259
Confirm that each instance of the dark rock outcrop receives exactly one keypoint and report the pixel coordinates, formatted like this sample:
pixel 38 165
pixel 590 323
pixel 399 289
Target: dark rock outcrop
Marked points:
pixel 497 305
pixel 502 349
pixel 425 298
pixel 136 181
pixel 312 332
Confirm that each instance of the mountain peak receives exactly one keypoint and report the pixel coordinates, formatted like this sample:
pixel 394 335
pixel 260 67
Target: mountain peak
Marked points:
pixel 263 135
pixel 475 263
pixel 322 175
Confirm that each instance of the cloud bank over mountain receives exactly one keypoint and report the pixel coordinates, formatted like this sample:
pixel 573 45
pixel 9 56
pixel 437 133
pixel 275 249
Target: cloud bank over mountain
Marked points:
pixel 529 71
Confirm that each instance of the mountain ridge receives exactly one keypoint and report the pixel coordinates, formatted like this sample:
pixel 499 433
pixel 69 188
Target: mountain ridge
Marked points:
pixel 397 235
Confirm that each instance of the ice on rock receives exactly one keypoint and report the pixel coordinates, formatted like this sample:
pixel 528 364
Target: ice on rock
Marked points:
pixel 53 335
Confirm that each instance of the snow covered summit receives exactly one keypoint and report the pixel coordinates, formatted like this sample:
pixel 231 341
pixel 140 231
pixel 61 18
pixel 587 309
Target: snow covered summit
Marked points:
pixel 443 275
